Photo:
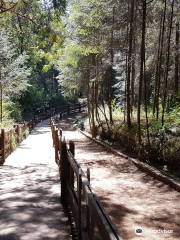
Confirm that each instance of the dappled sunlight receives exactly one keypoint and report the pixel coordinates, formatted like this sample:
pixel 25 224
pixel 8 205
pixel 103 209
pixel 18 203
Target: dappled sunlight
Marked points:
pixel 130 196
pixel 30 192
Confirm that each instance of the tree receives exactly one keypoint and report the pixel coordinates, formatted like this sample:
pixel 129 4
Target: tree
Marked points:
pixel 167 63
pixel 142 67
pixel 130 44
pixel 13 71
pixel 176 77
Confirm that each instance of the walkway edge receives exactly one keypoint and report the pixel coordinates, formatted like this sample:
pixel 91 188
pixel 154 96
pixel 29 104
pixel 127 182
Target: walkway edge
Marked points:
pixel 141 165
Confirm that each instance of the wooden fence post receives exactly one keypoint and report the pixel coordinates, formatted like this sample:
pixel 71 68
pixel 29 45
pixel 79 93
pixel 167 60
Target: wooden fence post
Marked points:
pixel 18 133
pixel 56 145
pixel 2 146
pixel 72 150
pixel 11 134
pixel 64 172
pixel 79 205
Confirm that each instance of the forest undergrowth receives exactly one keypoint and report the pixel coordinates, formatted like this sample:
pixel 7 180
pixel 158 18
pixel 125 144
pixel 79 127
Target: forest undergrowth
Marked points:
pixel 161 151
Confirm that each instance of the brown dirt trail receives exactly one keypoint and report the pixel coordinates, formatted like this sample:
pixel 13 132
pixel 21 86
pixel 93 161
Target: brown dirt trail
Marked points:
pixel 130 196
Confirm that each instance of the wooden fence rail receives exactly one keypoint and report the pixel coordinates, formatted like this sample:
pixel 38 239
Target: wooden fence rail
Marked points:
pixel 91 220
pixel 9 139
pixel 70 109
pixel 55 126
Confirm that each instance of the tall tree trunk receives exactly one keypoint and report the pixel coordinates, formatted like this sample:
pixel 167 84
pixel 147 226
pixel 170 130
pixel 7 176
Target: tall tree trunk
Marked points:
pixel 97 92
pixel 125 88
pixel 133 74
pixel 88 103
pixel 176 77
pixel 104 113
pixel 145 89
pixel 144 76
pixel 133 71
pixel 157 68
pixel 93 129
pixel 110 97
pixel 129 67
pixel 98 120
pixel 167 64
pixel 160 60
pixel 126 71
pixel 141 78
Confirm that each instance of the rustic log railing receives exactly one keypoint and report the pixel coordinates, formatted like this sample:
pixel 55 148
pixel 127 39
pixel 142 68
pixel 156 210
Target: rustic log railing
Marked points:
pixel 70 109
pixel 56 136
pixel 9 139
pixel 55 126
pixel 91 221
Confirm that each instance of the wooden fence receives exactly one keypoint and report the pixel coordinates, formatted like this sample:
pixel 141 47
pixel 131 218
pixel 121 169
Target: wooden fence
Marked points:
pixel 9 139
pixel 69 109
pixel 59 111
pixel 91 220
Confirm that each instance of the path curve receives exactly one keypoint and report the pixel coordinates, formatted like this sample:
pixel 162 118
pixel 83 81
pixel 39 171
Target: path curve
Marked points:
pixel 30 192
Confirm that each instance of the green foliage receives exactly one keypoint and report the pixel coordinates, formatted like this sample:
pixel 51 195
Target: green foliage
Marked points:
pixel 7 120
pixel 36 100
pixel 12 113
pixel 171 153
pixel 39 31
pixel 109 80
pixel 32 101
pixel 173 117
pixel 56 100
pixel 15 111
pixel 13 70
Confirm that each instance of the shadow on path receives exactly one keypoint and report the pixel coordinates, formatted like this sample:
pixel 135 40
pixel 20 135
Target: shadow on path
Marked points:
pixel 130 196
pixel 30 192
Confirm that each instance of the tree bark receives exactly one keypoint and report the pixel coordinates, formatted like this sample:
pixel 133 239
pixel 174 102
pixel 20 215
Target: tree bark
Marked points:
pixel 160 60
pixel 110 97
pixel 157 68
pixel 176 78
pixel 129 67
pixel 141 78
pixel 167 64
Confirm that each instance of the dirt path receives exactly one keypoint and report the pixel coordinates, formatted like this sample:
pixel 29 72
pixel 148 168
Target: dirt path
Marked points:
pixel 132 198
pixel 30 206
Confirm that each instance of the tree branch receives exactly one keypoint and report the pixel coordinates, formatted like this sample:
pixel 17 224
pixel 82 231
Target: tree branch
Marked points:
pixel 11 9
pixel 3 9
pixel 23 16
